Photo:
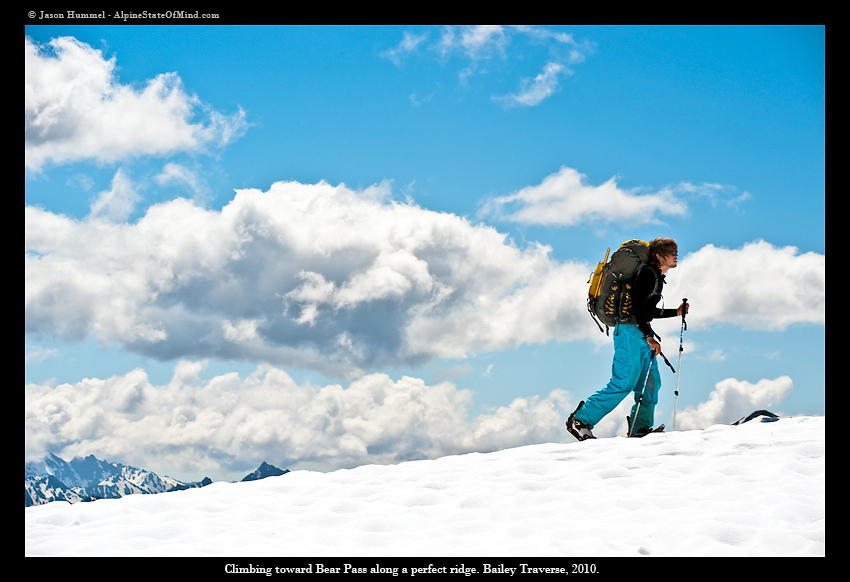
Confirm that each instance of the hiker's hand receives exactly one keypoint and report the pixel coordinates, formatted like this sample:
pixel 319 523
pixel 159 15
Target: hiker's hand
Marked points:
pixel 685 306
pixel 654 345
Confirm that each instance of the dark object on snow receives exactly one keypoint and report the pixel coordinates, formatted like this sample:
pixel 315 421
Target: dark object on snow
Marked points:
pixel 645 431
pixel 768 417
pixel 641 432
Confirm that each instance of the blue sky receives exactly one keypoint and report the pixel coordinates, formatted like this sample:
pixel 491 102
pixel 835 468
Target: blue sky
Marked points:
pixel 324 246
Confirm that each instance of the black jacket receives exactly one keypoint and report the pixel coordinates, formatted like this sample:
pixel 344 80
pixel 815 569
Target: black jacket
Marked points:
pixel 646 293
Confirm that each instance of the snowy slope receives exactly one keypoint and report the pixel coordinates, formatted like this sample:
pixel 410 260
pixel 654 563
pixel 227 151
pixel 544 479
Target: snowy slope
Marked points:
pixel 757 489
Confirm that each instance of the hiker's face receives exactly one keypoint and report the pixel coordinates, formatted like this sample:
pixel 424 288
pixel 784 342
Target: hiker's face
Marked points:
pixel 669 261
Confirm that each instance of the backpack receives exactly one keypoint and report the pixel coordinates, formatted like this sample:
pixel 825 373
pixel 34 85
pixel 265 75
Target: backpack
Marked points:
pixel 609 298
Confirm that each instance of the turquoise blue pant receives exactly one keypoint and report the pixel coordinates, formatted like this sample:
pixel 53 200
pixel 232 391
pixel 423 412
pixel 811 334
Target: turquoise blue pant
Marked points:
pixel 628 373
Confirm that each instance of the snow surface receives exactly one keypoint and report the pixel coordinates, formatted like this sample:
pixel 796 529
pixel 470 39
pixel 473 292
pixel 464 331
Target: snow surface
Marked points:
pixel 757 489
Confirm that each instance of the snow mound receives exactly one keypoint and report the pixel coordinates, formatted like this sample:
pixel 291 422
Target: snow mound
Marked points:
pixel 757 489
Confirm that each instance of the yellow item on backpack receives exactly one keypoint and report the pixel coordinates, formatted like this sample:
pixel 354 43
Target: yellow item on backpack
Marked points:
pixel 597 275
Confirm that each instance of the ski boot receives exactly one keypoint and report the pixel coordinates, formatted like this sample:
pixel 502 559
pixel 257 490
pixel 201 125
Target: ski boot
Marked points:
pixel 577 428
pixel 641 432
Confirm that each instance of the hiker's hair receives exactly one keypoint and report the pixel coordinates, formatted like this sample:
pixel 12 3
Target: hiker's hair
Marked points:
pixel 661 246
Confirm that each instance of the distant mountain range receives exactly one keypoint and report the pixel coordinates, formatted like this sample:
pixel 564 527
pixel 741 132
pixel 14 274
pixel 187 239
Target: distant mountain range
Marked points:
pixel 263 471
pixel 89 478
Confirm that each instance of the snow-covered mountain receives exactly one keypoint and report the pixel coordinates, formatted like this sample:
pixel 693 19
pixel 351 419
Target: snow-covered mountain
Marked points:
pixel 89 478
pixel 754 489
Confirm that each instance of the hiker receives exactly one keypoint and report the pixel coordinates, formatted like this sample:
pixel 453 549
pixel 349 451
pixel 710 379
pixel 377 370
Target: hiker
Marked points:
pixel 634 345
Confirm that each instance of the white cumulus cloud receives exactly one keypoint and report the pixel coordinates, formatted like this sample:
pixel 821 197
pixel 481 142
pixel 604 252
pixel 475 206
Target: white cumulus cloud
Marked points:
pixel 734 399
pixel 564 198
pixel 344 281
pixel 318 276
pixel 758 286
pixel 228 424
pixel 77 109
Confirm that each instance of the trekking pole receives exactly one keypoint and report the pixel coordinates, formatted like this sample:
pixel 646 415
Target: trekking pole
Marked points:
pixel 640 398
pixel 681 337
pixel 666 361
